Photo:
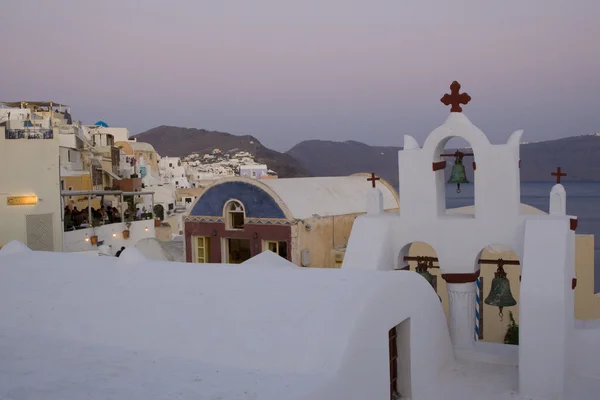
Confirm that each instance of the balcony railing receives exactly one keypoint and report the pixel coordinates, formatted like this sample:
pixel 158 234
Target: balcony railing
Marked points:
pixel 29 133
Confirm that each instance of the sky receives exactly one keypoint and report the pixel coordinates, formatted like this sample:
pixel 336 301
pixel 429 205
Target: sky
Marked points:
pixel 286 71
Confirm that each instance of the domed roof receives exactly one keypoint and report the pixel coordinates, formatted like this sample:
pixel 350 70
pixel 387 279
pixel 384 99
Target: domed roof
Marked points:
pixel 102 124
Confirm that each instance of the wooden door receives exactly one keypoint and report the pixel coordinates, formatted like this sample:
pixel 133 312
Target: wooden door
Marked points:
pixel 393 345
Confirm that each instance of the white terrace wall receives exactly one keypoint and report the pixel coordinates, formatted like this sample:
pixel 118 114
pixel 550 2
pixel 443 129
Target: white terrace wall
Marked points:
pixel 75 240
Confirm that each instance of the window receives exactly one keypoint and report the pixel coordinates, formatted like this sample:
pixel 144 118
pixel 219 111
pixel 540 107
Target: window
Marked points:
pixel 202 249
pixel 277 247
pixel 188 199
pixel 235 215
pixel 170 165
pixel 176 183
pixel 254 174
pixel 171 206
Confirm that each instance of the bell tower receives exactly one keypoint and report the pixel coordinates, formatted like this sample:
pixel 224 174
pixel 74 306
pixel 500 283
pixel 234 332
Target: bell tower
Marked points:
pixel 547 270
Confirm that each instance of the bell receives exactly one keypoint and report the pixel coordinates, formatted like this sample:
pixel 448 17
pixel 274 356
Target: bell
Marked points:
pixel 425 274
pixel 459 174
pixel 422 270
pixel 500 295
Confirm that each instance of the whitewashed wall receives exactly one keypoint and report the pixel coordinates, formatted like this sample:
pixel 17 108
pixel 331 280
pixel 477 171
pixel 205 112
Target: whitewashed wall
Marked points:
pixel 29 167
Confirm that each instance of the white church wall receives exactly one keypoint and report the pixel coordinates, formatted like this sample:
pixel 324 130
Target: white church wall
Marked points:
pixel 586 349
pixel 548 271
pixel 430 347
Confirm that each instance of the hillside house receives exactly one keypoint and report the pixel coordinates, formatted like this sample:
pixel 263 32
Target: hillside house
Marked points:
pixel 305 220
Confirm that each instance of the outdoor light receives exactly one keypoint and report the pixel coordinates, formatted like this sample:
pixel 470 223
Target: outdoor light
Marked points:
pixel 114 234
pixel 146 229
pixel 87 239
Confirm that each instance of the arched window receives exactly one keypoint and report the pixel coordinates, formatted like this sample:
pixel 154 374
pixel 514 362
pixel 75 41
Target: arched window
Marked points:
pixel 234 215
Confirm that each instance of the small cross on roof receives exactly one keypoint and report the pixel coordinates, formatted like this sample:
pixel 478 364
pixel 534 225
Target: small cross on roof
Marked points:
pixel 373 178
pixel 558 174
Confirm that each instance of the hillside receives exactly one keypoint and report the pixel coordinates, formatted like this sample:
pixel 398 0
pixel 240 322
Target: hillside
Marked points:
pixel 180 142
pixel 577 156
pixel 322 157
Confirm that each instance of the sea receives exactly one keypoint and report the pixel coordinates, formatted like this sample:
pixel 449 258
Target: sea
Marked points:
pixel 583 201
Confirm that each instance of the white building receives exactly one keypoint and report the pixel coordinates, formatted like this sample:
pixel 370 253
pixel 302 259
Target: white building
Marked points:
pixel 172 169
pixel 255 171
pixel 30 202
pixel 102 134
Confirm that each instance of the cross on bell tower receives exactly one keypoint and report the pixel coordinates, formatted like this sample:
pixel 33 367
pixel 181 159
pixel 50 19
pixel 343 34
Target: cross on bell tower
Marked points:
pixel 558 174
pixel 455 99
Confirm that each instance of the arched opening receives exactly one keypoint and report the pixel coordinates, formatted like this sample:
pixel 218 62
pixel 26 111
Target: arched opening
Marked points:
pixel 456 184
pixel 234 215
pixel 159 211
pixel 498 289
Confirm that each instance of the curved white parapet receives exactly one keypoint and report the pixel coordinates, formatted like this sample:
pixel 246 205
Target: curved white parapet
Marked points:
pixel 410 143
pixel 269 259
pixel 457 125
pixel 12 247
pixel 131 255
pixel 515 137
pixel 151 249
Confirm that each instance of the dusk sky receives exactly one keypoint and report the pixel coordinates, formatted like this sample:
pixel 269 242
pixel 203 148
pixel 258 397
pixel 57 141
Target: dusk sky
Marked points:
pixel 286 71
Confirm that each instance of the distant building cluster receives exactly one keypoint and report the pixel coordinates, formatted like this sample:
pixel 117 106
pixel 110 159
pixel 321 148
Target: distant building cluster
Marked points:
pixel 93 184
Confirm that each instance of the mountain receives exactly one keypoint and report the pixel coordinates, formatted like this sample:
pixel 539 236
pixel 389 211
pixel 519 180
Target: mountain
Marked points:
pixel 180 142
pixel 323 158
pixel 577 156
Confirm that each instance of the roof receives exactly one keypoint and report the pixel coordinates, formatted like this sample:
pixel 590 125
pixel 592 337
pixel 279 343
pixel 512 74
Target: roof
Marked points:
pixel 75 326
pixel 101 123
pixel 340 195
pixel 111 174
pixel 33 103
pixel 103 193
pixel 138 146
pixel 525 209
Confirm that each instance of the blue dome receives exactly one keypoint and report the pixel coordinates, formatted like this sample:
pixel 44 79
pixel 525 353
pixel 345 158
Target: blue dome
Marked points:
pixel 102 124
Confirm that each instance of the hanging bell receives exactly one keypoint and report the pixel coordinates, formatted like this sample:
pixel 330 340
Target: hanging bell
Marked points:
pixel 500 295
pixel 459 174
pixel 422 270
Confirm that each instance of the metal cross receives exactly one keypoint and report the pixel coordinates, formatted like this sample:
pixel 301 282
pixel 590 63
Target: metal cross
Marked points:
pixel 455 99
pixel 558 174
pixel 373 178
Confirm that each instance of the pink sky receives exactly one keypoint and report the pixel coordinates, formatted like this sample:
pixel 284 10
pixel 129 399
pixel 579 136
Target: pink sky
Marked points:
pixel 286 71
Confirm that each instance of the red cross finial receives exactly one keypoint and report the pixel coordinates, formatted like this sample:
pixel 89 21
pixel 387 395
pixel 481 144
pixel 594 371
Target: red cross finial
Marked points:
pixel 455 99
pixel 558 174
pixel 373 178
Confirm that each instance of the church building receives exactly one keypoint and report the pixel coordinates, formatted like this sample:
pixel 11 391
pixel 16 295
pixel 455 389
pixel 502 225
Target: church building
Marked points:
pixel 305 220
